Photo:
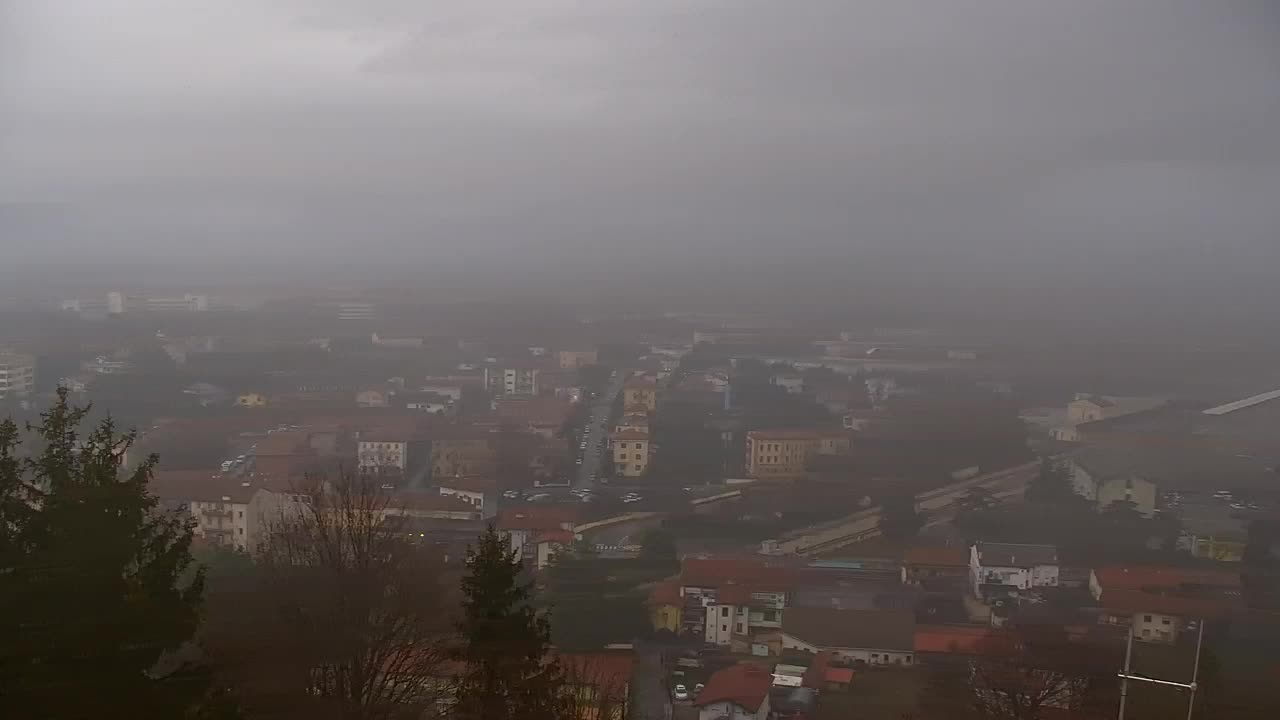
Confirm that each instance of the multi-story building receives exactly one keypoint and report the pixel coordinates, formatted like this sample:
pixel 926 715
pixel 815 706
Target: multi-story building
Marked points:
pixel 381 452
pixel 640 392
pixel 781 454
pixel 17 375
pixel 185 303
pixel 357 311
pixel 512 380
pixel 1009 568
pixel 572 359
pixel 461 454
pixel 631 452
pixel 1159 603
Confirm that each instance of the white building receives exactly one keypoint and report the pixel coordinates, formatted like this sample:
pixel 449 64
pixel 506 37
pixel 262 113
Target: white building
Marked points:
pixel 1012 567
pixel 792 383
pixel 735 610
pixel 1108 475
pixel 381 453
pixel 17 375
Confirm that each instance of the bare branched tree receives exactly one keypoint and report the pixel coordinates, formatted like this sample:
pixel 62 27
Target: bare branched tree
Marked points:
pixel 1024 675
pixel 596 687
pixel 349 613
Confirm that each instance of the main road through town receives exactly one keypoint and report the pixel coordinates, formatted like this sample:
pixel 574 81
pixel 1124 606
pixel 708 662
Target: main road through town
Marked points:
pixel 596 432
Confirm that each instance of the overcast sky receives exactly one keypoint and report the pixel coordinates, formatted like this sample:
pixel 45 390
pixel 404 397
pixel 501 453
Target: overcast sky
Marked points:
pixel 1051 135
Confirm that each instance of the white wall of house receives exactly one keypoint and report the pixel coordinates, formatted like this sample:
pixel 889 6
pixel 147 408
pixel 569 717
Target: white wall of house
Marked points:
pixel 1155 627
pixel 381 453
pixel 871 656
pixel 222 523
pixel 720 624
pixel 472 497
pixel 1019 577
pixel 1140 492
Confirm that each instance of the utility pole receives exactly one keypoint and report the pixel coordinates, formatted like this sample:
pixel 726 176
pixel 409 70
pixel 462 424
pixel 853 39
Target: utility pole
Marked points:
pixel 1126 676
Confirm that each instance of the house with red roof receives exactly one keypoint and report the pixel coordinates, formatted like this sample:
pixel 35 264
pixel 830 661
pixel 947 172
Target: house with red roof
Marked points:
pixel 1161 602
pixel 600 683
pixel 524 525
pixel 728 600
pixel 740 692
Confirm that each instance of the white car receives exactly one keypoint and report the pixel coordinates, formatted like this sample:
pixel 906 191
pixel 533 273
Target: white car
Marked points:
pixel 681 692
pixel 634 498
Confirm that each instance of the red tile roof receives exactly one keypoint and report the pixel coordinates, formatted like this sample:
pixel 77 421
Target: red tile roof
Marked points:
pixel 716 572
pixel 563 537
pixel 666 592
pixel 940 556
pixel 1136 601
pixel 958 639
pixel 744 685
pixel 608 671
pixel 1138 577
pixel 185 486
pixel 843 676
pixel 627 435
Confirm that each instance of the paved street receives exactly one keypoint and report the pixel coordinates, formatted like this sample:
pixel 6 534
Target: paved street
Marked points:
pixel 649 698
pixel 596 433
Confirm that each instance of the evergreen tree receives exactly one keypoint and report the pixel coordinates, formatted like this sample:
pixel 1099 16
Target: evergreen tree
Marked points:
pixel 94 585
pixel 1052 484
pixel 899 519
pixel 505 642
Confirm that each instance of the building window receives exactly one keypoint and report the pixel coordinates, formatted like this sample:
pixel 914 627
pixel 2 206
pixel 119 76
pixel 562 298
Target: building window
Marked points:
pixel 724 628
pixel 1164 621
pixel 241 514
pixel 1146 618
pixel 875 656
pixel 624 446
pixel 241 531
pixel 724 611
pixel 770 616
pixel 637 456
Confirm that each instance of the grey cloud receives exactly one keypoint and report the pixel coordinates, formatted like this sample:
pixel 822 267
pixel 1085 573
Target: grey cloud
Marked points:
pixel 1038 133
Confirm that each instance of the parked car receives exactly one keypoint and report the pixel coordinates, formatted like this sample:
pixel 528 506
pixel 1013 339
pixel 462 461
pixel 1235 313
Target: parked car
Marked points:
pixel 698 688
pixel 681 693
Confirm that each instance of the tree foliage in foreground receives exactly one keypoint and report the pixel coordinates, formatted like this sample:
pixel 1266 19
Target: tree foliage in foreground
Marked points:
pixel 95 588
pixel 504 643
pixel 341 616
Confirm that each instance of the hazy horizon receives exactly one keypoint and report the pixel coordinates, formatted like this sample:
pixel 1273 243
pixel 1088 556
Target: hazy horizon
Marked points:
pixel 923 152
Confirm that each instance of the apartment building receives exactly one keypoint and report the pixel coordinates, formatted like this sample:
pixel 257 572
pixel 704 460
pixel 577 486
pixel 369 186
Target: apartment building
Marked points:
pixel 572 359
pixel 17 375
pixel 781 454
pixel 640 392
pixel 512 380
pixel 631 452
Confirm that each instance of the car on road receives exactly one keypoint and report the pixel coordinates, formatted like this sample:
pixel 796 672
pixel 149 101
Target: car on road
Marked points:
pixel 681 693
pixel 579 461
pixel 631 497
pixel 511 494
pixel 539 497
pixel 698 688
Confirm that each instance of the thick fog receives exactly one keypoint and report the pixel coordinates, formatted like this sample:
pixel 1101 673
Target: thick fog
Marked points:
pixel 1037 147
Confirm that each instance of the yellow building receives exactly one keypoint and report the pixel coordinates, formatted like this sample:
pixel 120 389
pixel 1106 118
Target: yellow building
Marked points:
pixel 631 453
pixel 665 604
pixel 640 392
pixel 462 456
pixel 781 454
pixel 251 400
pixel 572 359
